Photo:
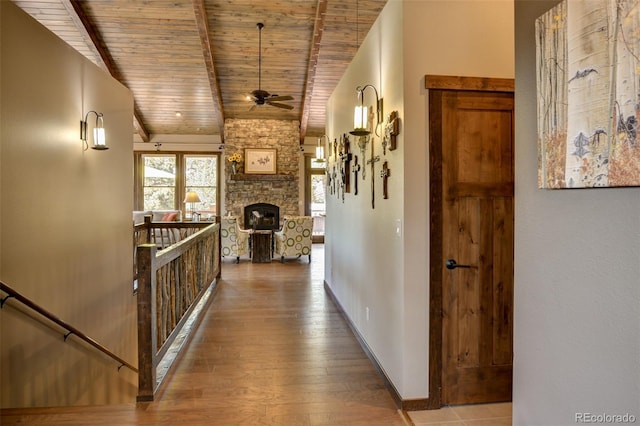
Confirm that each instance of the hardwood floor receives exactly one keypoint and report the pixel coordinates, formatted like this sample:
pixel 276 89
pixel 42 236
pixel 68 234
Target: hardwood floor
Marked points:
pixel 272 349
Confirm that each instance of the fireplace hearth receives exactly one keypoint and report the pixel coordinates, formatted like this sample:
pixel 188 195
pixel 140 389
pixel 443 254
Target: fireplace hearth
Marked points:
pixel 262 216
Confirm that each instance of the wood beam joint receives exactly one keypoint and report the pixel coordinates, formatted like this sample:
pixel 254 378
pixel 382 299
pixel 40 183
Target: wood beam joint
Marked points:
pixel 103 57
pixel 207 52
pixel 314 53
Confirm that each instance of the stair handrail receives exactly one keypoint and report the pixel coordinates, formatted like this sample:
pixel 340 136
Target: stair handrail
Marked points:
pixel 11 293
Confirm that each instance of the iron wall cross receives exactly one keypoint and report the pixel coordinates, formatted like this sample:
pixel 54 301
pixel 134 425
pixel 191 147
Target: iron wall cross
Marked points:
pixel 362 144
pixel 334 178
pixel 391 130
pixel 355 168
pixel 384 174
pixel 345 165
pixel 373 160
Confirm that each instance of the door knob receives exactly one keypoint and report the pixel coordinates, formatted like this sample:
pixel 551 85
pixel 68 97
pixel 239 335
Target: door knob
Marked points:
pixel 452 264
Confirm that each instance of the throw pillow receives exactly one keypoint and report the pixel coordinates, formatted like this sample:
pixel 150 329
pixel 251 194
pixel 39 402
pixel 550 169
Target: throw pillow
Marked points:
pixel 169 217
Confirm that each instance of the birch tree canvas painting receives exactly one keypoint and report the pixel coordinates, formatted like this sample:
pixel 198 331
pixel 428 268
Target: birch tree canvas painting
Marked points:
pixel 588 76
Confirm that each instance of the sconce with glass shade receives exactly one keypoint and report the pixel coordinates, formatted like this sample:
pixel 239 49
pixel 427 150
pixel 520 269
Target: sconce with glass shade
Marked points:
pixel 320 148
pixel 192 198
pixel 99 137
pixel 360 120
pixel 360 115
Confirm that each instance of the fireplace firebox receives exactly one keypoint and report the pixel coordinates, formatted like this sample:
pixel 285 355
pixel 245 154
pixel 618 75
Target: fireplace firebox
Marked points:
pixel 262 216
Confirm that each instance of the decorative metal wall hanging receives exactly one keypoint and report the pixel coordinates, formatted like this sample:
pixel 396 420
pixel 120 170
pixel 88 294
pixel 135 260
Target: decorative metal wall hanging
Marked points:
pixel 384 174
pixel 391 130
pixel 345 164
pixel 355 168
pixel 373 160
pixel 362 144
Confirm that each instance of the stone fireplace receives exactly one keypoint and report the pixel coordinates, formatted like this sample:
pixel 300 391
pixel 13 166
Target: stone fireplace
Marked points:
pixel 262 216
pixel 280 189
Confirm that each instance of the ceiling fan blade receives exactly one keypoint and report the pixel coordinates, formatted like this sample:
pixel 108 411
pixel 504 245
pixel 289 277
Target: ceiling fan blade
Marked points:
pixel 281 98
pixel 279 105
pixel 252 107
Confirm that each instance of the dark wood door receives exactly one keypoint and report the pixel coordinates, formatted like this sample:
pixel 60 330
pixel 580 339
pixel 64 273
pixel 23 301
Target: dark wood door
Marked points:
pixel 477 234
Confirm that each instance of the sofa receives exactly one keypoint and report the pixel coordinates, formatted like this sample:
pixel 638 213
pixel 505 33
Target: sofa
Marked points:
pixel 157 216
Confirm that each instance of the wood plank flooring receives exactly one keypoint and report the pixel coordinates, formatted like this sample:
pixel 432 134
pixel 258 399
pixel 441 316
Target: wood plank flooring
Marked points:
pixel 272 349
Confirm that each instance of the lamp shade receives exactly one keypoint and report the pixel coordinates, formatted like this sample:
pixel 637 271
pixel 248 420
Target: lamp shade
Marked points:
pixel 99 136
pixel 320 148
pixel 360 117
pixel 99 139
pixel 192 197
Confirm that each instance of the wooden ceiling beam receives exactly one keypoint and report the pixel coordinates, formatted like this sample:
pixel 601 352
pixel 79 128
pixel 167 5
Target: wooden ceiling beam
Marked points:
pixel 318 30
pixel 105 61
pixel 203 29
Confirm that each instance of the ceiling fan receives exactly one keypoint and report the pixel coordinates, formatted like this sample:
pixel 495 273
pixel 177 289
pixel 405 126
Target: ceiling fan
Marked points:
pixel 262 97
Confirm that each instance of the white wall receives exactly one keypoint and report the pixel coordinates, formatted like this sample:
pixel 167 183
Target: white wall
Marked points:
pixel 367 265
pixel 577 279
pixel 65 222
pixel 356 234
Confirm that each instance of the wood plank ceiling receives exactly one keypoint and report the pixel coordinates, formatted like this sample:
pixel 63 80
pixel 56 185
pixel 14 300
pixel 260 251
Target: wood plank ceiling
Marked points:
pixel 200 57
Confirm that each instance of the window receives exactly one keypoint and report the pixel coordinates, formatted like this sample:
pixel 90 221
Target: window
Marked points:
pixel 159 182
pixel 200 176
pixel 163 179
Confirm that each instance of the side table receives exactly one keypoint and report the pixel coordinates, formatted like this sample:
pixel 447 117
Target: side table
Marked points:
pixel 261 246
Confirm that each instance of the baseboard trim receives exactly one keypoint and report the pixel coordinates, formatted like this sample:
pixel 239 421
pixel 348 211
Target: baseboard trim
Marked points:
pixel 403 404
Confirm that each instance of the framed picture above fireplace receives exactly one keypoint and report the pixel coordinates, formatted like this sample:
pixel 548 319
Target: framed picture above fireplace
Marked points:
pixel 260 161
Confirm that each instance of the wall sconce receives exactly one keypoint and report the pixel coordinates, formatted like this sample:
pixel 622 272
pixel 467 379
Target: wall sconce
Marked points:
pixel 320 148
pixel 361 117
pixel 193 198
pixel 99 139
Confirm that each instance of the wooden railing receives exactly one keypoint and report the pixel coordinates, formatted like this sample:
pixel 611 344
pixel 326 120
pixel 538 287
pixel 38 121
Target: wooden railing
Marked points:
pixel 171 282
pixel 11 293
pixel 162 234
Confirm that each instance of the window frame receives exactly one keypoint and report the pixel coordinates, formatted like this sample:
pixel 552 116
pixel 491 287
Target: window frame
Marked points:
pixel 183 176
pixel 180 181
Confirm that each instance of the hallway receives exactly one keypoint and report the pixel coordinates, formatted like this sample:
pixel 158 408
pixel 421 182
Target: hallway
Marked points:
pixel 272 348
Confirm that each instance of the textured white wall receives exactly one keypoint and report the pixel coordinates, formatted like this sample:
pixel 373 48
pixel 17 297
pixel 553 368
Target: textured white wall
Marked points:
pixel 65 228
pixel 577 279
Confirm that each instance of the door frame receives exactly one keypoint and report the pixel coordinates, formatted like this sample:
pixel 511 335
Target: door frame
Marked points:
pixel 308 172
pixel 435 84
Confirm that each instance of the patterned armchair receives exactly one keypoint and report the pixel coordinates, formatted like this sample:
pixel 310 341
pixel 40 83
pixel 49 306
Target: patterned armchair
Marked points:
pixel 234 241
pixel 294 239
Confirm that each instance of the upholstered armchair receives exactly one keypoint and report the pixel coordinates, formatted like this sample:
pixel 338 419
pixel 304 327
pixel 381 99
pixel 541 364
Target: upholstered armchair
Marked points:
pixel 234 240
pixel 294 239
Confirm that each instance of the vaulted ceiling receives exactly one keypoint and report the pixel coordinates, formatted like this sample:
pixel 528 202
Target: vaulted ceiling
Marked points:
pixel 191 63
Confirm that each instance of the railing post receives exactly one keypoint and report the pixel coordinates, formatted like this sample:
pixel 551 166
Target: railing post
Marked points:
pixel 147 340
pixel 147 223
pixel 218 253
